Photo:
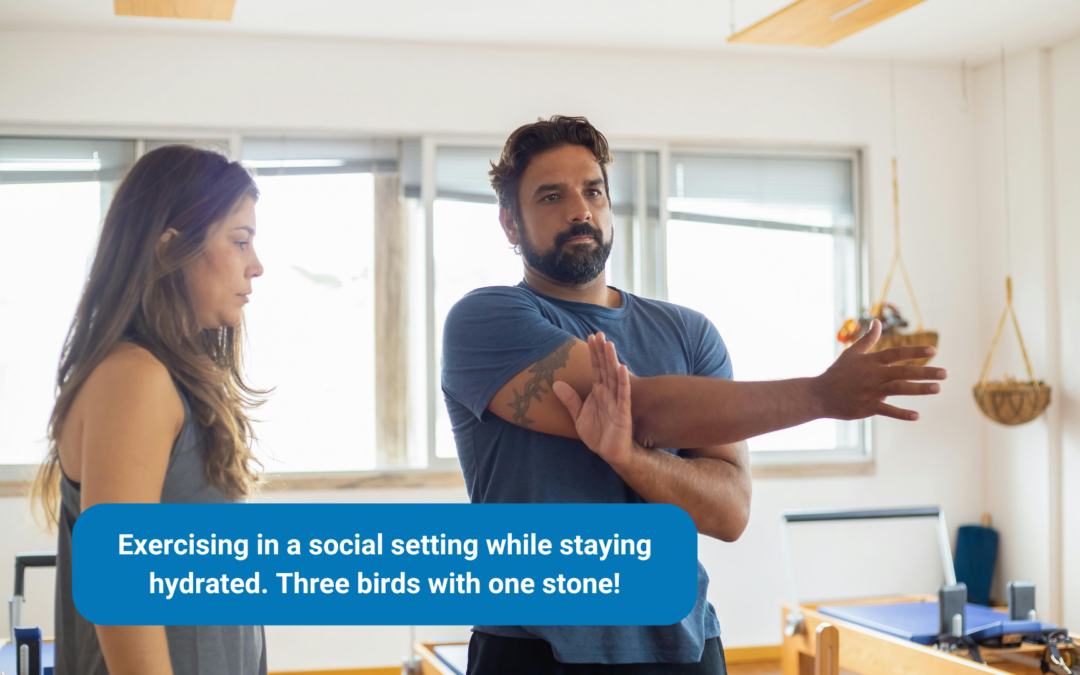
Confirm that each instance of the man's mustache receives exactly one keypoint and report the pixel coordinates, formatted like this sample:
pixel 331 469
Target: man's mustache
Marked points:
pixel 578 230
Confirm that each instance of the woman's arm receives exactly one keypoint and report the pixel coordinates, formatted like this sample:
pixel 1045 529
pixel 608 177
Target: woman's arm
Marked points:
pixel 130 418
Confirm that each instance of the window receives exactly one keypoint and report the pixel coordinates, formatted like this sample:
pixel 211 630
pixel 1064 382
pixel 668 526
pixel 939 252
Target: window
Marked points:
pixel 368 243
pixel 766 247
pixel 311 325
pixel 53 194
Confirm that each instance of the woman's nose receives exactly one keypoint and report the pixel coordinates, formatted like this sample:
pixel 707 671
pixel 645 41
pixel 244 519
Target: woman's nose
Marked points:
pixel 256 268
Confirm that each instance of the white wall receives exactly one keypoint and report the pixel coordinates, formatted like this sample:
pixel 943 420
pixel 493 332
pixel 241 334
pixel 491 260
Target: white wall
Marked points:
pixel 1065 78
pixel 310 85
pixel 1030 470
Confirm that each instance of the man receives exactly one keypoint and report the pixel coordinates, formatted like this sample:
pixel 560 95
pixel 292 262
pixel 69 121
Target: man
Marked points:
pixel 535 393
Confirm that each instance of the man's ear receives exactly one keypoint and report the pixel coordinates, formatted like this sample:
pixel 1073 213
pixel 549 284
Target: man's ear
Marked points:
pixel 506 219
pixel 163 243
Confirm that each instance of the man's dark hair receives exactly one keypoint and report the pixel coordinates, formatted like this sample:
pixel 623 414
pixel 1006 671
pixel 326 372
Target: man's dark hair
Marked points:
pixel 532 139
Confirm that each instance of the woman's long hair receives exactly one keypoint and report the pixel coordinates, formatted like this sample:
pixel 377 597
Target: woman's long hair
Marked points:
pixel 138 292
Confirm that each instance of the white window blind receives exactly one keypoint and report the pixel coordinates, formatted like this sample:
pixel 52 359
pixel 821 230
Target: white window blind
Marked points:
pixel 766 247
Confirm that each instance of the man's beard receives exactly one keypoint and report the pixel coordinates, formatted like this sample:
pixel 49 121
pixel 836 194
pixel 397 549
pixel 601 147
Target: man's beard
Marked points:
pixel 575 265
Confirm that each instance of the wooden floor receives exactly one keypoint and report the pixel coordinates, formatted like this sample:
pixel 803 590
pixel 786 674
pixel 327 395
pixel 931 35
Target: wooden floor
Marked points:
pixel 754 669
pixel 768 668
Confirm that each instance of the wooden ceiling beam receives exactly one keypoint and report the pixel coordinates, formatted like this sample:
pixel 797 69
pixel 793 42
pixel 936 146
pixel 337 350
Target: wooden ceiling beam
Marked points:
pixel 210 10
pixel 819 23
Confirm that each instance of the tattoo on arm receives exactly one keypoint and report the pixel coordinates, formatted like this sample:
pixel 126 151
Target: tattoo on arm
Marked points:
pixel 543 377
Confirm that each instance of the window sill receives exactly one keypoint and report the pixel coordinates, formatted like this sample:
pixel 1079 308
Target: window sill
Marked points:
pixel 781 470
pixel 15 480
pixel 386 479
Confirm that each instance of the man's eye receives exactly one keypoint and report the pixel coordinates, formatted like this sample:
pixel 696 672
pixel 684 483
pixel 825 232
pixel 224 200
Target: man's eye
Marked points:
pixel 549 198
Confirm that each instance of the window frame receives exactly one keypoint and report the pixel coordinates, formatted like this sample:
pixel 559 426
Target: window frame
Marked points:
pixel 650 274
pixel 805 463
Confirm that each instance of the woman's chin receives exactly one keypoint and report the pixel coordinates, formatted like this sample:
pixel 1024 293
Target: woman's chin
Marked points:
pixel 222 321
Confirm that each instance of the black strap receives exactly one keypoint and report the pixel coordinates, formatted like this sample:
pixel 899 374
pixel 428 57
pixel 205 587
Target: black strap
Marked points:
pixel 1052 638
pixel 962 642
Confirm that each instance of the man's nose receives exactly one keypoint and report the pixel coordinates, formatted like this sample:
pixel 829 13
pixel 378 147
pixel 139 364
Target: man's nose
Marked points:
pixel 579 210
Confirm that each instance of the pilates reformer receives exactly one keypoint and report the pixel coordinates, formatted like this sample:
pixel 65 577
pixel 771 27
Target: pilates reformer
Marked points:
pixel 25 651
pixel 943 635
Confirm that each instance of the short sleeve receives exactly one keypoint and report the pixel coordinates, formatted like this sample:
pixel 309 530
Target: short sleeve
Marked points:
pixel 712 358
pixel 491 335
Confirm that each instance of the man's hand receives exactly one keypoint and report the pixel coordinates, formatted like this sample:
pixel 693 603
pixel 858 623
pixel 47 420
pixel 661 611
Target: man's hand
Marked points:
pixel 603 420
pixel 856 385
pixel 712 484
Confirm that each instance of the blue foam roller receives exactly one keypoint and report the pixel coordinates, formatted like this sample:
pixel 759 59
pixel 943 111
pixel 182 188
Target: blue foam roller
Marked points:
pixel 920 621
pixel 976 554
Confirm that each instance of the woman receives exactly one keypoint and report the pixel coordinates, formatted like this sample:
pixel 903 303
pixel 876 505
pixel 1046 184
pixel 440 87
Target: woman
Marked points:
pixel 151 405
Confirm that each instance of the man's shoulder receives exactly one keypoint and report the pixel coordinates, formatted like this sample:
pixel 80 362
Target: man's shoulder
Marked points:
pixel 691 317
pixel 491 298
pixel 493 310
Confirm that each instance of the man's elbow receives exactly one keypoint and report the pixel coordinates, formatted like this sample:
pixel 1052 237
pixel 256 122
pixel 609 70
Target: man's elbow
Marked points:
pixel 731 525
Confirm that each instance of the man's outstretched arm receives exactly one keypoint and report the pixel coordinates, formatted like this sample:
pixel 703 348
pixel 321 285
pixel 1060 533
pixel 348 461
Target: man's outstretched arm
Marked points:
pixel 681 411
pixel 711 484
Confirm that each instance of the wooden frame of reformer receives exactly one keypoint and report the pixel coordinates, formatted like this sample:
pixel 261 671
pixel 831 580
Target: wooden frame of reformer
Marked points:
pixel 870 652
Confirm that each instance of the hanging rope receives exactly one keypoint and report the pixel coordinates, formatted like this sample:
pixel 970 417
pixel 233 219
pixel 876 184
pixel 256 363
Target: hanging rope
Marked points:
pixel 1009 402
pixel 1005 154
pixel 984 377
pixel 897 261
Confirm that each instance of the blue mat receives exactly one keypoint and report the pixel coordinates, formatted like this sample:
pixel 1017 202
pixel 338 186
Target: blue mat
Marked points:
pixel 919 622
pixel 976 553
pixel 7 658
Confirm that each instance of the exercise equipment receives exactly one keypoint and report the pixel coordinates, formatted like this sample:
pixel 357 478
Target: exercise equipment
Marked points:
pixel 976 555
pixel 25 645
pixel 923 634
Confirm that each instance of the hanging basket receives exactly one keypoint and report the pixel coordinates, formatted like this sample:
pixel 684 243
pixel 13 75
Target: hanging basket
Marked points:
pixel 919 337
pixel 1010 402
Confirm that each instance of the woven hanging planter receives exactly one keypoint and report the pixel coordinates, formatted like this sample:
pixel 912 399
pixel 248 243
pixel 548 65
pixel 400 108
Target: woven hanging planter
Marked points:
pixel 1008 401
pixel 917 338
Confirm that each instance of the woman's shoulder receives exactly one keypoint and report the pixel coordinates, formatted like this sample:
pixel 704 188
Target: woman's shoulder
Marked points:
pixel 131 375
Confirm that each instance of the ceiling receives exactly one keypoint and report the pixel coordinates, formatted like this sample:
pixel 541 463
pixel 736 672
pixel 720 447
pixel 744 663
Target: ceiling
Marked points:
pixel 934 31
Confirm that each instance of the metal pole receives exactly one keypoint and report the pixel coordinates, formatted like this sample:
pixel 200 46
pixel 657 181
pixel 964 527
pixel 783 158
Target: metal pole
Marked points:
pixel 946 550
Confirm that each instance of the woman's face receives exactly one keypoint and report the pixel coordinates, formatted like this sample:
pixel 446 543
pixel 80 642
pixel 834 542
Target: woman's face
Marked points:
pixel 220 278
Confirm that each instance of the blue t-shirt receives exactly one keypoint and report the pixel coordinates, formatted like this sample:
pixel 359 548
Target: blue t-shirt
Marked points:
pixel 494 333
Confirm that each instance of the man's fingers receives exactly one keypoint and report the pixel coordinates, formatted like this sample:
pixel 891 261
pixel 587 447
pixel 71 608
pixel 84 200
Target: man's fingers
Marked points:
pixel 915 373
pixel 863 344
pixel 624 389
pixel 886 410
pixel 903 354
pixel 905 388
pixel 612 361
pixel 569 398
pixel 594 358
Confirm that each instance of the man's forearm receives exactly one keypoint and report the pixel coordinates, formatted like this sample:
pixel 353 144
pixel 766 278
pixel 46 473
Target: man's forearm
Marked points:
pixel 715 491
pixel 679 411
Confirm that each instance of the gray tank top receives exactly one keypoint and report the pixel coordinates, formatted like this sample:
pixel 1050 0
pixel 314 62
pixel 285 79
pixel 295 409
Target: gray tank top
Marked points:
pixel 193 650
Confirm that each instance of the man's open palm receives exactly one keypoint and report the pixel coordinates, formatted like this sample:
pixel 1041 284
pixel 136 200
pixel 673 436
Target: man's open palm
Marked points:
pixel 603 419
